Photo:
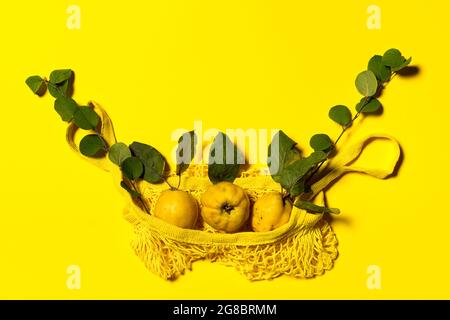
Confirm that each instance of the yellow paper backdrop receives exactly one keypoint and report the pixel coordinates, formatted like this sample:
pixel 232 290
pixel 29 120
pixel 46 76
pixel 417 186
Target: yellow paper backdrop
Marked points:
pixel 160 65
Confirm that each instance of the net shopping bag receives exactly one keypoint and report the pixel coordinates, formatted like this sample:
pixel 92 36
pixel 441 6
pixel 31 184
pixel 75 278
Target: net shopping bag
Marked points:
pixel 304 247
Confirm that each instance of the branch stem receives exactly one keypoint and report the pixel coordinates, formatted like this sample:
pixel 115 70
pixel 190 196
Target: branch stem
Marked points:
pixel 344 128
pixel 139 197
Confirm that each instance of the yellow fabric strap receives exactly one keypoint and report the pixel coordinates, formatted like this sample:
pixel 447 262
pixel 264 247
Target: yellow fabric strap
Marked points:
pixel 341 164
pixel 298 218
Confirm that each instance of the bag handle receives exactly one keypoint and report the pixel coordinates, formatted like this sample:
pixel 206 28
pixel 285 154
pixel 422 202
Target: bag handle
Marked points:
pixel 341 164
pixel 106 131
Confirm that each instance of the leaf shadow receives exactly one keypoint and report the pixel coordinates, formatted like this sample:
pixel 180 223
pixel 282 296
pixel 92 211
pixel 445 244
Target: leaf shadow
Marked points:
pixel 409 71
pixel 334 219
pixel 71 87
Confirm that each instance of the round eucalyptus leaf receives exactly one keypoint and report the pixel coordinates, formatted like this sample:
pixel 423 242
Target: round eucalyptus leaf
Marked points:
pixel 153 161
pixel 86 118
pixel 37 85
pixel 364 106
pixel 382 72
pixel 132 168
pixel 66 108
pixel 341 115
pixel 64 88
pixel 92 145
pixel 58 76
pixel 393 58
pixel 366 83
pixel 320 142
pixel 118 152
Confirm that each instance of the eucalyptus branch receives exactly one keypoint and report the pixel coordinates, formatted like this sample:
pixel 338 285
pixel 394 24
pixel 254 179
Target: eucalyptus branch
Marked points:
pixel 299 173
pixel 344 129
pixel 139 196
pixel 364 103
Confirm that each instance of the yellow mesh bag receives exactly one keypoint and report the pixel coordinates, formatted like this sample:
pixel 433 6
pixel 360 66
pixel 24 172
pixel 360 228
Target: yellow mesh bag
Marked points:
pixel 304 247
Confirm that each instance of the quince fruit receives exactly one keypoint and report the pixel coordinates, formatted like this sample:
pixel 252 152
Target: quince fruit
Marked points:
pixel 270 212
pixel 177 207
pixel 225 206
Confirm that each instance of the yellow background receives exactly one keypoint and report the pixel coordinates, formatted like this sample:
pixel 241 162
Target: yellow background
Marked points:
pixel 160 65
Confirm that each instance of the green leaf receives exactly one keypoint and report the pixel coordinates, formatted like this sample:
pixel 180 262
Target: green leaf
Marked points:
pixel 403 65
pixel 293 173
pixel 224 159
pixel 185 151
pixel 298 188
pixel 393 58
pixel 65 88
pixel 92 145
pixel 283 154
pixel 37 85
pixel 59 76
pixel 320 142
pixel 382 72
pixel 341 115
pixel 133 193
pixel 66 108
pixel 366 83
pixel 152 160
pixel 132 168
pixel 314 208
pixel 291 156
pixel 86 118
pixel 61 83
pixel 54 90
pixel 368 106
pixel 364 101
pixel 118 152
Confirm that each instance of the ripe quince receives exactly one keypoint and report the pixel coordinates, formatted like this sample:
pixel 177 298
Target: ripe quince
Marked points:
pixel 177 207
pixel 270 212
pixel 225 206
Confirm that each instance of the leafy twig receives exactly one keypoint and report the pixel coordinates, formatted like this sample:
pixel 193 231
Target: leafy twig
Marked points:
pixel 295 173
pixel 344 129
pixel 139 197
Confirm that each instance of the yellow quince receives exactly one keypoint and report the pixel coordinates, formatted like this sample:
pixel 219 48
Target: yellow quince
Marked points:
pixel 225 206
pixel 270 212
pixel 177 207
